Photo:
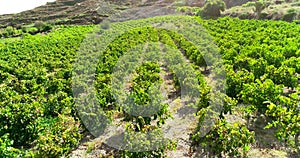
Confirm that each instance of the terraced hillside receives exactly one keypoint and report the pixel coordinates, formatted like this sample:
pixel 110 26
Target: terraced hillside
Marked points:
pixel 61 11
pixel 71 12
pixel 288 10
pixel 85 11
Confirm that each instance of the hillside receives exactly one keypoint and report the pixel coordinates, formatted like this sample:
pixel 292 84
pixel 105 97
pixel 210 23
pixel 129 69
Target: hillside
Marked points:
pixel 288 10
pixel 86 11
pixel 94 11
pixel 147 83
pixel 72 12
pixel 60 12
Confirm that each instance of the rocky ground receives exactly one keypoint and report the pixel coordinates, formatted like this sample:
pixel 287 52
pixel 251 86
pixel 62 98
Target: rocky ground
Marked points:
pixel 88 11
pixel 71 12
pixel 94 11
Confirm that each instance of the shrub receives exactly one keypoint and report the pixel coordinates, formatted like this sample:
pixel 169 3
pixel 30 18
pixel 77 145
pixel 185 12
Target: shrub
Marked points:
pixel 42 27
pixel 58 138
pixel 212 8
pixel 226 139
pixel 10 30
pixel 285 118
pixel 290 15
pixel 19 120
pixel 32 30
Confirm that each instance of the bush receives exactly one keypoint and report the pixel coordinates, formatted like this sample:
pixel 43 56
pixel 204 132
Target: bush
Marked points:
pixel 58 138
pixel 42 27
pixel 30 30
pixel 10 30
pixel 212 8
pixel 7 32
pixel 285 116
pixel 19 120
pixel 290 16
pixel 226 139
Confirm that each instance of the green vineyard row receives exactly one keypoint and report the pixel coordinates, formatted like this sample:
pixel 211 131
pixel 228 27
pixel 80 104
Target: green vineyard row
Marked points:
pixel 38 116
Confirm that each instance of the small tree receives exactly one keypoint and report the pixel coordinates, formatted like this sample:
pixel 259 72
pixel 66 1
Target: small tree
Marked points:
pixel 290 15
pixel 212 8
pixel 259 6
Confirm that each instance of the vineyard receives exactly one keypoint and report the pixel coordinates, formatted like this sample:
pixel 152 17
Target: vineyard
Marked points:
pixel 43 86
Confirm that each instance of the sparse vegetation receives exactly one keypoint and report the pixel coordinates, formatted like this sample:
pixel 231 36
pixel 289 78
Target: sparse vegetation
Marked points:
pixel 266 9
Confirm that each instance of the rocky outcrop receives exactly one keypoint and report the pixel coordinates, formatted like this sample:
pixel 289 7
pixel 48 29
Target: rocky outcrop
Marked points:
pixel 61 12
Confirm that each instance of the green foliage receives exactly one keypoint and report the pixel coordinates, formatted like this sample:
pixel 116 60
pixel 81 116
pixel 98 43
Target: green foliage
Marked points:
pixel 35 28
pixel 261 60
pixel 259 6
pixel 290 15
pixel 236 81
pixel 35 85
pixel 212 8
pixel 7 32
pixel 286 115
pixel 19 120
pixel 36 104
pixel 226 139
pixel 147 75
pixel 189 10
pixel 42 27
pixel 249 4
pixel 58 137
pixel 283 75
pixel 5 148
pixel 258 92
pixel 146 140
